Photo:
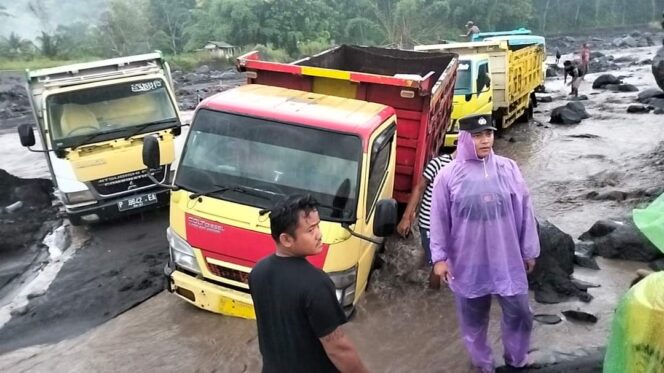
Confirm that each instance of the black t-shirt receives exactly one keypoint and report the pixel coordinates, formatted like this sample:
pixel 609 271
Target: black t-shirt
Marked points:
pixel 295 305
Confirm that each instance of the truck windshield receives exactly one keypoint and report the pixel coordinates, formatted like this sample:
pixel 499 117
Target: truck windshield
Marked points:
pixel 275 158
pixel 108 112
pixel 463 84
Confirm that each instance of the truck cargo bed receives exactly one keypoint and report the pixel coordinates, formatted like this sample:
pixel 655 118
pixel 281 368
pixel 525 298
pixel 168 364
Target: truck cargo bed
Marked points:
pixel 419 86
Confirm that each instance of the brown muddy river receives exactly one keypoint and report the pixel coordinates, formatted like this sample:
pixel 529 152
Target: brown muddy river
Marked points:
pixel 400 326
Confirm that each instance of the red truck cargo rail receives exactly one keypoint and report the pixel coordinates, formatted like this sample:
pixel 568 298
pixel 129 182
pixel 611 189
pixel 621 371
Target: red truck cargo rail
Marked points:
pixel 419 86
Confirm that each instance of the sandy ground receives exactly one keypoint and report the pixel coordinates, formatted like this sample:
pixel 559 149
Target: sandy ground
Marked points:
pixel 406 328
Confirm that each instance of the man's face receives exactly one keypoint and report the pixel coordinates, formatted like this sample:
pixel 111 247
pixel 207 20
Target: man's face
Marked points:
pixel 483 143
pixel 308 239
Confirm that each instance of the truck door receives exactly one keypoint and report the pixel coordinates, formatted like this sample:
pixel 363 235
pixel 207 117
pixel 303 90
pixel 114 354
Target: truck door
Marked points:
pixel 380 181
pixel 484 88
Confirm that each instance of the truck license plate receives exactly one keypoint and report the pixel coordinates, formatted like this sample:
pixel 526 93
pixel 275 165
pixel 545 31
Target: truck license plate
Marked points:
pixel 137 201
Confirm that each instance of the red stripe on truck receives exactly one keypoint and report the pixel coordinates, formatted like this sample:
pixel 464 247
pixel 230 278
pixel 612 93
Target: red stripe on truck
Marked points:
pixel 235 245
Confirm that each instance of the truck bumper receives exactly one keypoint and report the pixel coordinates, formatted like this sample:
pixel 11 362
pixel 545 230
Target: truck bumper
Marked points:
pixel 109 210
pixel 207 295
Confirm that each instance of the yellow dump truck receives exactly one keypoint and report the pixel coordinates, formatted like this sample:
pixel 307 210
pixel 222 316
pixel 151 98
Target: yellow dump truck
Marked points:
pixel 497 76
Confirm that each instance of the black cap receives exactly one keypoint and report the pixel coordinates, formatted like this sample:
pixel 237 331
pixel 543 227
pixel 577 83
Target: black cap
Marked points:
pixel 476 123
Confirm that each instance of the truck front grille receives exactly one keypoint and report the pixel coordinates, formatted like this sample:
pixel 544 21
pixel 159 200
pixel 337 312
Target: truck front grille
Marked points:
pixel 228 273
pixel 126 182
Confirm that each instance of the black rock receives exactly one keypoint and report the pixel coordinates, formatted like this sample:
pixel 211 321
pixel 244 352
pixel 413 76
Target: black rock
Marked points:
pixel 578 107
pixel 637 109
pixel 599 229
pixel 563 115
pixel 647 61
pixel 579 98
pixel 580 316
pixel 649 93
pixel 583 254
pixel 658 111
pixel 551 279
pixel 612 87
pixel 655 102
pixel 623 59
pixel 544 99
pixel 657 265
pixel 621 240
pixel 604 80
pixel 627 88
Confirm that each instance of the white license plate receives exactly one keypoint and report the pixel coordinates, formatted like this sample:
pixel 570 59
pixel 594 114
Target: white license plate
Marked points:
pixel 137 201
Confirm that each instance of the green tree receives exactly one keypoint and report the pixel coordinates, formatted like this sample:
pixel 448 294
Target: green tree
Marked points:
pixel 14 46
pixel 169 19
pixel 123 29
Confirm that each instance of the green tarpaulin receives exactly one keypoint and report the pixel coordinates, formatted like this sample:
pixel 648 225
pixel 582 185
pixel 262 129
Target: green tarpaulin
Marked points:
pixel 650 222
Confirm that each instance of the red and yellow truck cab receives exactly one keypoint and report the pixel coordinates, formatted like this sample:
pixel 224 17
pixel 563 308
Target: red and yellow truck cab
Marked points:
pixel 256 143
pixel 354 133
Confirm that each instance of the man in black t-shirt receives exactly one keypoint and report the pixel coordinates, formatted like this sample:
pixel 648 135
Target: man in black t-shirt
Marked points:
pixel 299 318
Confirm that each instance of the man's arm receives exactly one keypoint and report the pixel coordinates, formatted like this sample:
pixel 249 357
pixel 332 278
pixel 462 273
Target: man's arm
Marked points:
pixel 411 209
pixel 341 351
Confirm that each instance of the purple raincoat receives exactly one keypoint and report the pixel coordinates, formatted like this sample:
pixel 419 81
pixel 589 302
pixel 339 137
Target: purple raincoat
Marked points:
pixel 482 223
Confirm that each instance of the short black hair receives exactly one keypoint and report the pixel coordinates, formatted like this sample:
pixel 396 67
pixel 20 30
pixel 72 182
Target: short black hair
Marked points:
pixel 285 215
pixel 567 63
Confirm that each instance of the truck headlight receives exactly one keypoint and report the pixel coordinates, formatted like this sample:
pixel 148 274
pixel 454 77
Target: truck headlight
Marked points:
pixel 79 197
pixel 344 282
pixel 182 253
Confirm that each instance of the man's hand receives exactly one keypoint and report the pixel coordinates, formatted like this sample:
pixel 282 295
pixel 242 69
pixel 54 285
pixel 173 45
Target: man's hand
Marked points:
pixel 443 271
pixel 529 264
pixel 404 225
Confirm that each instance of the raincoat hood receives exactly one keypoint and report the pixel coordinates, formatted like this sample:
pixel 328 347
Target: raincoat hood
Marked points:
pixel 466 148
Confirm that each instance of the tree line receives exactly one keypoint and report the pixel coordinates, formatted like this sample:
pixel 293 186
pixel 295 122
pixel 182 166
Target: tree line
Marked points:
pixel 291 28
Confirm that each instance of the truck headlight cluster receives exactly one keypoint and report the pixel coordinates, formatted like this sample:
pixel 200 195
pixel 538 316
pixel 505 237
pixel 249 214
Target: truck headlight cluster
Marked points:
pixel 182 254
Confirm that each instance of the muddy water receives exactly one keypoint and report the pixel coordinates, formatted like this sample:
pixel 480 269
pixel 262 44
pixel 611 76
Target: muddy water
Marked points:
pixel 400 326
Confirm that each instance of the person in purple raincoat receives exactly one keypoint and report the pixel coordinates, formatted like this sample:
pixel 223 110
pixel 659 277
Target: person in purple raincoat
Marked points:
pixel 484 241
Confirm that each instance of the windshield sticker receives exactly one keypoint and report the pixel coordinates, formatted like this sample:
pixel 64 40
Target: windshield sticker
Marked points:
pixel 146 86
pixel 464 66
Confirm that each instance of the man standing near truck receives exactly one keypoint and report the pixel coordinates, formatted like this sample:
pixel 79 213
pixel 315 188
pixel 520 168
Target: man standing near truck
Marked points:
pixel 422 193
pixel 297 312
pixel 472 30
pixel 484 241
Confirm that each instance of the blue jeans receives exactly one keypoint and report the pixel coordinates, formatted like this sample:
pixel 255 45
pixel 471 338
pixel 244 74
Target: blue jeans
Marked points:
pixel 424 236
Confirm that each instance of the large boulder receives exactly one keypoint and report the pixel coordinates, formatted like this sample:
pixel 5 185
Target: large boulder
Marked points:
pixel 621 239
pixel 649 93
pixel 637 109
pixel 572 113
pixel 606 79
pixel 551 279
pixel 658 67
pixel 627 88
pixel 564 115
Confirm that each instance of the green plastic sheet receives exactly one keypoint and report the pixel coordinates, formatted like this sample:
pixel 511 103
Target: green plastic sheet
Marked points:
pixel 637 333
pixel 650 222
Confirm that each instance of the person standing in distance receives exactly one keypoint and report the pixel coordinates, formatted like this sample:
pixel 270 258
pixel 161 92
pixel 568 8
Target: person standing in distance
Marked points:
pixel 484 241
pixel 297 312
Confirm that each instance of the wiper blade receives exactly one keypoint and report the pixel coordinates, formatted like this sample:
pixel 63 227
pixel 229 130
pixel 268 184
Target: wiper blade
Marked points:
pixel 146 125
pixel 235 188
pixel 88 139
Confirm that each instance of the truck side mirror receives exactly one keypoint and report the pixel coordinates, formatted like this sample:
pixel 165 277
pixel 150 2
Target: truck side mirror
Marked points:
pixel 385 218
pixel 151 156
pixel 27 135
